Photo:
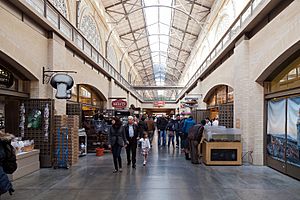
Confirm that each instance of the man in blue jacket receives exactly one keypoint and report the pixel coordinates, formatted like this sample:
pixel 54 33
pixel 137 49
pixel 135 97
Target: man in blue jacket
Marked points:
pixel 188 123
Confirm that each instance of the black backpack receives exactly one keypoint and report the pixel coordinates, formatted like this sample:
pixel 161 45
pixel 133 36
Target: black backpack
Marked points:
pixel 9 164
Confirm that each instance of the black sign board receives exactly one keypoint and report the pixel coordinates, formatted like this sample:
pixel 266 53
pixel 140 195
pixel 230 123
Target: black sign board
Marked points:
pixel 6 78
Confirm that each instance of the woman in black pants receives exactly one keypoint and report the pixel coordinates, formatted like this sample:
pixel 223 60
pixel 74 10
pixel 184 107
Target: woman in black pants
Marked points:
pixel 117 140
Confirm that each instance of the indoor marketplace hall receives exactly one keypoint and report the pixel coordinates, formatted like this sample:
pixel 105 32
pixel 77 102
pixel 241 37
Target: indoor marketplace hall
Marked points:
pixel 150 99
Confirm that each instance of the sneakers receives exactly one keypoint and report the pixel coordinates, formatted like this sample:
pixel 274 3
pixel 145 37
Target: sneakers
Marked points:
pixel 144 164
pixel 115 171
pixel 133 166
pixel 120 170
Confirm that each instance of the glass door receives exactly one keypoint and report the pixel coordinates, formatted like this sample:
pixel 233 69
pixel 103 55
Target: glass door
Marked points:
pixel 283 135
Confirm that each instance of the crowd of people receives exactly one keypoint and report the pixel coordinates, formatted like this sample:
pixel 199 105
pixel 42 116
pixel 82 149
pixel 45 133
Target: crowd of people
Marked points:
pixel 176 132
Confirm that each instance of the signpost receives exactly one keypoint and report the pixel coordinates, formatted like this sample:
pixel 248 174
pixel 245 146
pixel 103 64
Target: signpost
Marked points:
pixel 119 103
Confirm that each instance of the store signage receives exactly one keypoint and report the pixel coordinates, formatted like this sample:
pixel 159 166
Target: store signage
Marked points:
pixel 159 103
pixel 119 103
pixel 6 78
pixel 191 98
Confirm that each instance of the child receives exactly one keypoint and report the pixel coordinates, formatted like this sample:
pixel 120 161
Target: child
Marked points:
pixel 145 146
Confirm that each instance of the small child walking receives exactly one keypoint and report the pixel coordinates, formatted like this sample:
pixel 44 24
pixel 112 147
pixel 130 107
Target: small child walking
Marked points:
pixel 145 146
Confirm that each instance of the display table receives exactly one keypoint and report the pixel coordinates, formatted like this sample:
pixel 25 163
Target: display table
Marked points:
pixel 28 162
pixel 222 153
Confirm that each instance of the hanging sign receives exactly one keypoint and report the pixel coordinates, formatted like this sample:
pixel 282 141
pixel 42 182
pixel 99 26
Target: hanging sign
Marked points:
pixel 119 103
pixel 159 103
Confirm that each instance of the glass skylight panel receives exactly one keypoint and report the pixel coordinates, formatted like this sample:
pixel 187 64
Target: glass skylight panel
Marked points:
pixel 160 15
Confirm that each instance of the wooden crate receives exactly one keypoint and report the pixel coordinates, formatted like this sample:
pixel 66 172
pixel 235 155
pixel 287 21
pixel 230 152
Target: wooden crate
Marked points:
pixel 207 148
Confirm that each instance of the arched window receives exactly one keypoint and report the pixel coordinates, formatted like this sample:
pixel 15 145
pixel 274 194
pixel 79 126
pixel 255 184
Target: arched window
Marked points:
pixel 60 5
pixel 288 78
pixel 90 31
pixel 112 56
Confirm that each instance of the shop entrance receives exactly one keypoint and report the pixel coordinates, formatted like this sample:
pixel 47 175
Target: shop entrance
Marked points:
pixel 282 137
pixel 219 102
pixel 89 103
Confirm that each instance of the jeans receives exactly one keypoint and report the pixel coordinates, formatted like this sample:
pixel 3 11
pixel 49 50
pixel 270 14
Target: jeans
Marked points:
pixel 162 133
pixel 116 151
pixel 150 135
pixel 171 139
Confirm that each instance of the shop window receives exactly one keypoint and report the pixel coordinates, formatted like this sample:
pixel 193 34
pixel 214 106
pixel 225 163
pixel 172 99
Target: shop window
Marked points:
pixel 288 78
pixel 283 143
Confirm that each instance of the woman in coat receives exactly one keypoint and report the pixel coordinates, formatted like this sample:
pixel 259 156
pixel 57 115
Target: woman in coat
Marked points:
pixel 117 140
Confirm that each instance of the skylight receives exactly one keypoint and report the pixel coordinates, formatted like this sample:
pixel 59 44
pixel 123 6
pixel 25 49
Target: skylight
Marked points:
pixel 158 20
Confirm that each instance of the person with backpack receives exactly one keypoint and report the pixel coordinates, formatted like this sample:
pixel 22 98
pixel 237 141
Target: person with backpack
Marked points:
pixel 171 132
pixel 188 124
pixel 8 162
pixel 195 138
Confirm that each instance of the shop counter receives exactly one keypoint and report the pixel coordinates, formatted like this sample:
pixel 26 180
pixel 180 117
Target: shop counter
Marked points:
pixel 222 153
pixel 28 162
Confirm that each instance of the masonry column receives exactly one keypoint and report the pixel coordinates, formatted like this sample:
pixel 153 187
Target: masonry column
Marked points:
pixel 241 91
pixel 110 93
pixel 57 61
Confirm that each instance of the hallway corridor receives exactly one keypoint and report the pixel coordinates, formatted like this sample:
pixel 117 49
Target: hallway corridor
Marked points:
pixel 167 176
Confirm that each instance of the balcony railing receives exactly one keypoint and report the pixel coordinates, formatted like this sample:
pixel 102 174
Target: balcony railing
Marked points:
pixel 48 11
pixel 229 35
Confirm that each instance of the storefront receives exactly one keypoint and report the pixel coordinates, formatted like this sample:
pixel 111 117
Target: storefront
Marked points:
pixel 14 88
pixel 282 136
pixel 219 102
pixel 88 103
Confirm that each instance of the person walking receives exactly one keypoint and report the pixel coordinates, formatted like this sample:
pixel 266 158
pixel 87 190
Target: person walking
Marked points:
pixel 177 129
pixel 162 123
pixel 117 140
pixel 195 138
pixel 151 128
pixel 171 132
pixel 142 126
pixel 188 123
pixel 145 146
pixel 132 136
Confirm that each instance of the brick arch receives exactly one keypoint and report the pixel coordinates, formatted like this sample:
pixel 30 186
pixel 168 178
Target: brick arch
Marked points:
pixel 100 94
pixel 212 90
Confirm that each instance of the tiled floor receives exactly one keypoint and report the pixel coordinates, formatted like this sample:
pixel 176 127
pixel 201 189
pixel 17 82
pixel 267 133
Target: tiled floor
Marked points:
pixel 167 176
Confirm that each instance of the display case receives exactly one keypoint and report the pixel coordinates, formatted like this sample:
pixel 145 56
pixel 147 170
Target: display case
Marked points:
pixel 222 153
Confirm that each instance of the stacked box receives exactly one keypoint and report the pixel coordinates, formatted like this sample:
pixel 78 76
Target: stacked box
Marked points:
pixel 73 125
pixel 67 125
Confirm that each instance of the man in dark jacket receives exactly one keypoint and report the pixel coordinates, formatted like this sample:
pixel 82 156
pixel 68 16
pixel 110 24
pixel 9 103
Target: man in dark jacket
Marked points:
pixel 162 123
pixel 142 125
pixel 132 136
pixel 177 129
pixel 5 184
pixel 151 128
pixel 195 136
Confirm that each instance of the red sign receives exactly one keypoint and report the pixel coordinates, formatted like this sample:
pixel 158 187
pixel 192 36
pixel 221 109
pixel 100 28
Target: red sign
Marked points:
pixel 159 103
pixel 119 103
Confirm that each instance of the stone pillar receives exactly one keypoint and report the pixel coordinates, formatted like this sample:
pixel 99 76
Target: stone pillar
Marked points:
pixel 128 99
pixel 57 61
pixel 110 93
pixel 248 103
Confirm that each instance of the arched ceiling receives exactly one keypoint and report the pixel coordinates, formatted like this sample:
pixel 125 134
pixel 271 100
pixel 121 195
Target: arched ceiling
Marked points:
pixel 158 35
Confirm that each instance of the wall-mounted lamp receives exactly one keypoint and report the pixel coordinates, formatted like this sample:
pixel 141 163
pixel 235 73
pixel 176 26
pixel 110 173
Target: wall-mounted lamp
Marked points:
pixel 61 81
